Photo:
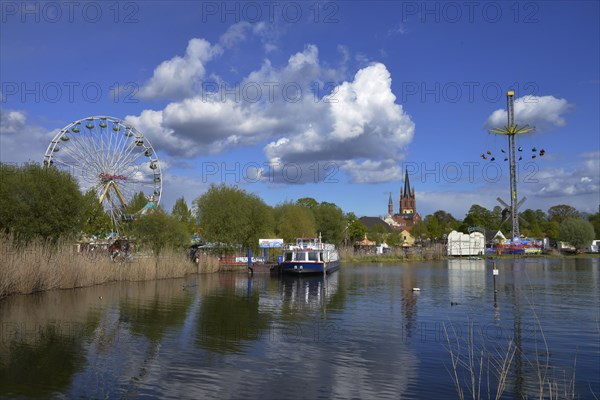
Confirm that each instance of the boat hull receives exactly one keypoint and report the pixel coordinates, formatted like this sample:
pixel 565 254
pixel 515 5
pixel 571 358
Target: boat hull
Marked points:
pixel 305 268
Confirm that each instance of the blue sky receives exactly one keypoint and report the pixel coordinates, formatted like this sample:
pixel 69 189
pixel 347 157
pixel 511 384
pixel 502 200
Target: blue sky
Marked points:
pixel 331 100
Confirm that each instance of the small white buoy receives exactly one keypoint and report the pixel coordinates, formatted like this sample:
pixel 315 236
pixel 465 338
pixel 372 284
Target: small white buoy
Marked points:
pixel 416 289
pixel 100 297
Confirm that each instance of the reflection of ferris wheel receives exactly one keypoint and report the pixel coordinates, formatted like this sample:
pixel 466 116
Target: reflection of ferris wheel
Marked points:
pixel 114 159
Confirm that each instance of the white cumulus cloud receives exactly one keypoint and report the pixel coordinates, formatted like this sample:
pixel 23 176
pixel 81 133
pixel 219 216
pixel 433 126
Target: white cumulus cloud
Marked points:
pixel 581 179
pixel 361 127
pixel 355 123
pixel 179 76
pixel 11 121
pixel 20 140
pixel 543 112
pixel 267 103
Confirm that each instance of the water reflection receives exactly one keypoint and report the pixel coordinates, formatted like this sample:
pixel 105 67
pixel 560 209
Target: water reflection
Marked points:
pixel 43 340
pixel 358 333
pixel 311 292
pixel 41 368
pixel 231 317
pixel 467 279
pixel 150 309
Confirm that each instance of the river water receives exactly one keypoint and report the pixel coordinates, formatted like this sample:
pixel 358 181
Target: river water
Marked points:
pixel 362 332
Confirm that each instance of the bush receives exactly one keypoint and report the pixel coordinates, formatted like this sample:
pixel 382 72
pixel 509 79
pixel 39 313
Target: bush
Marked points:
pixel 578 232
pixel 39 202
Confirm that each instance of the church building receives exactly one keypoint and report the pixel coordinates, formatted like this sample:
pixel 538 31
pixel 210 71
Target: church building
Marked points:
pixel 407 215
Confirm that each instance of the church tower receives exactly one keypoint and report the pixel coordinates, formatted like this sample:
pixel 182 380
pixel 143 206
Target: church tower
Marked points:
pixel 408 215
pixel 408 204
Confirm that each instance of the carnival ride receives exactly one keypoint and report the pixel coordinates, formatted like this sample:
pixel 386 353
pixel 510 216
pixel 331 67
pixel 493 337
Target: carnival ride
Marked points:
pixel 492 157
pixel 512 130
pixel 112 158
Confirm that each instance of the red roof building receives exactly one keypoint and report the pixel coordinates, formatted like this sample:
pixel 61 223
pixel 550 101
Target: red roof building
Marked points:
pixel 407 215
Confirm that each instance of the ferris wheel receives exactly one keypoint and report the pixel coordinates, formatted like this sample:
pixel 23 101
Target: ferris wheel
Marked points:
pixel 113 158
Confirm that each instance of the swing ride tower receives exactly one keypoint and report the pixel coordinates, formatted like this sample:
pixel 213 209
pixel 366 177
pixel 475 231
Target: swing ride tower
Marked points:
pixel 511 130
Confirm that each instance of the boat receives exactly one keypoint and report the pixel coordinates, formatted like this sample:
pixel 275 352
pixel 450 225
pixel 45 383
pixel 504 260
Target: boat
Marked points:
pixel 309 256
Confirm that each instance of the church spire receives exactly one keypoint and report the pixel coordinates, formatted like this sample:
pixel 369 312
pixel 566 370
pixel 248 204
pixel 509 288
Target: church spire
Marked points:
pixel 407 193
pixel 390 205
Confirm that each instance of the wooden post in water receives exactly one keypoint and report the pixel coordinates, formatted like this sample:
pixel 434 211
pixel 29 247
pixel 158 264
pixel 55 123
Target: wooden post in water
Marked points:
pixel 495 275
pixel 495 272
pixel 250 261
pixel 249 292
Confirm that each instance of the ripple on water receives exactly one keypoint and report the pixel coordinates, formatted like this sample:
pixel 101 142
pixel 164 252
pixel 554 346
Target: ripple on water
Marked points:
pixel 362 333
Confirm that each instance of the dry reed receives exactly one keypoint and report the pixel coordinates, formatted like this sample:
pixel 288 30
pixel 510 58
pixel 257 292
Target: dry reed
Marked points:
pixel 41 265
pixel 472 363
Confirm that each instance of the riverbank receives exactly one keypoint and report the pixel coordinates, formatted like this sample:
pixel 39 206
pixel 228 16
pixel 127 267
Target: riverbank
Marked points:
pixel 41 266
pixel 348 255
pixel 436 253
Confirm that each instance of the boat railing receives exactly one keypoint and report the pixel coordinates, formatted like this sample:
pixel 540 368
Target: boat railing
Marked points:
pixel 308 244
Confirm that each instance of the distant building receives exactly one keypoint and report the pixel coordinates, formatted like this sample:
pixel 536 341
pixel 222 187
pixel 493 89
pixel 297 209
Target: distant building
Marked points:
pixel 407 215
pixel 461 244
pixel 495 237
pixel 407 239
pixel 371 222
pixel 402 221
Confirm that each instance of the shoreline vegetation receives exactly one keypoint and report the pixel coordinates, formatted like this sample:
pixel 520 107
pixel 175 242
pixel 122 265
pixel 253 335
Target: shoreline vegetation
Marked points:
pixel 42 265
pixel 437 253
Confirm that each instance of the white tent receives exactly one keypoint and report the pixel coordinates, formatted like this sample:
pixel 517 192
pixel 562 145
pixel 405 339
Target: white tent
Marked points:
pixel 461 244
pixel 381 248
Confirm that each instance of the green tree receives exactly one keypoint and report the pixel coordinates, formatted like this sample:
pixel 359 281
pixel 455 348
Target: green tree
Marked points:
pixel 419 230
pixel 578 232
pixel 434 228
pixel 230 216
pixel 95 220
pixel 394 239
pixel 137 202
pixel 307 202
pixel 159 231
pixel 330 222
pixel 552 230
pixel 446 221
pixel 39 202
pixel 535 223
pixel 294 221
pixel 561 212
pixel 495 218
pixel 595 221
pixel 478 216
pixel 377 233
pixel 356 230
pixel 350 217
pixel 183 214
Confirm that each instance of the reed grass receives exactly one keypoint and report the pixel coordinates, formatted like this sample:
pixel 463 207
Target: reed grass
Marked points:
pixel 474 363
pixel 41 265
pixel 477 371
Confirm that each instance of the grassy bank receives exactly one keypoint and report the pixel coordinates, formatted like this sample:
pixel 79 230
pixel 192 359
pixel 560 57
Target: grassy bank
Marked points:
pixel 40 266
pixel 348 255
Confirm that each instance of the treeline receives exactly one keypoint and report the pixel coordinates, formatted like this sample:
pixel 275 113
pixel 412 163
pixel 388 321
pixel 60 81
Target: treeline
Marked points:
pixel 46 204
pixel 37 202
pixel 561 223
